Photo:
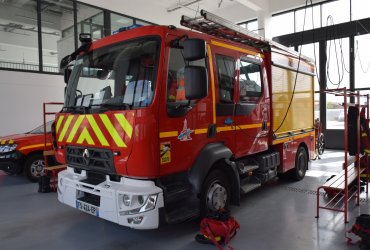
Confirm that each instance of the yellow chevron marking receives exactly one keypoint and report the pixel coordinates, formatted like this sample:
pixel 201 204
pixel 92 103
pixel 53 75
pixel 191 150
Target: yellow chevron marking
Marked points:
pixel 75 127
pixel 65 128
pixel 34 146
pixel 60 119
pixel 10 142
pixel 168 134
pixel 112 131
pixel 103 141
pixel 124 124
pixel 85 136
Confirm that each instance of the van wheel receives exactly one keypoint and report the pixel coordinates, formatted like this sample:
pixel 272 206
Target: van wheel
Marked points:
pixel 34 167
pixel 301 164
pixel 215 193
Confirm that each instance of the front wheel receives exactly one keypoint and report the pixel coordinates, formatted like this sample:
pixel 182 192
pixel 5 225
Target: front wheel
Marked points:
pixel 301 164
pixel 34 167
pixel 215 194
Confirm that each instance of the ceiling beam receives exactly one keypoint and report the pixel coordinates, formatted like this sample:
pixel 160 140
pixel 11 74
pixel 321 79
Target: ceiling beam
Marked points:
pixel 182 4
pixel 251 5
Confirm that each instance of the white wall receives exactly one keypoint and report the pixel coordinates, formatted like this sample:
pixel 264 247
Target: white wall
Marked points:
pixel 21 98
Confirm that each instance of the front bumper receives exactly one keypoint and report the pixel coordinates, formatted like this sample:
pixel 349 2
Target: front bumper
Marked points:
pixel 72 188
pixel 11 162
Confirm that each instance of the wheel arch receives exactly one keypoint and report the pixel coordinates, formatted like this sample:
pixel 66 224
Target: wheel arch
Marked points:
pixel 36 152
pixel 215 156
pixel 304 145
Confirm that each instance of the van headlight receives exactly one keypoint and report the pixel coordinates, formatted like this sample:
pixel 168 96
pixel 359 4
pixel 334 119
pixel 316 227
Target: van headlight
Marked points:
pixel 8 148
pixel 146 203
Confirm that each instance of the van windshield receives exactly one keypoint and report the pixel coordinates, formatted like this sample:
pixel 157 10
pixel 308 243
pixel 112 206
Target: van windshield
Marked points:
pixel 120 76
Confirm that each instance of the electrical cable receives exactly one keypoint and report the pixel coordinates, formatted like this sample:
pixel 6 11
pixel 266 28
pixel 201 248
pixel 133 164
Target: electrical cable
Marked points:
pixel 296 76
pixel 360 61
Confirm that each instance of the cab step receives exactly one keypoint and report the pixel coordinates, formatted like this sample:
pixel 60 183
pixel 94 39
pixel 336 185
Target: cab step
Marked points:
pixel 249 184
pixel 244 169
pixel 246 188
pixel 177 191
pixel 181 214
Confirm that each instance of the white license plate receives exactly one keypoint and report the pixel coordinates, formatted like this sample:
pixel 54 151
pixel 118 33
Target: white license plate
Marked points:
pixel 88 208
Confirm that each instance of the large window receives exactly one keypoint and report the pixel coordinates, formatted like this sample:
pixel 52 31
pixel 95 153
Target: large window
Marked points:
pixel 360 9
pixel 336 12
pixel 19 35
pixel 362 61
pixel 90 20
pixel 282 24
pixel 312 19
pixel 337 65
pixel 119 21
pixel 56 17
pixel 20 48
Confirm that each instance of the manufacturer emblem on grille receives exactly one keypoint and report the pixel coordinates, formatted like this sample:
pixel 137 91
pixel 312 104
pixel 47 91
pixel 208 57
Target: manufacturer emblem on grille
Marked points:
pixel 86 156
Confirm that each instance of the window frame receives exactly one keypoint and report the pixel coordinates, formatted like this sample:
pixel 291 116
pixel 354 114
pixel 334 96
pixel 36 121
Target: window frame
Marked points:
pixel 253 99
pixel 233 97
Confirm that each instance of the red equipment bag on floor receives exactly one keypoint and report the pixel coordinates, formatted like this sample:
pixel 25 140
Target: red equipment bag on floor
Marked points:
pixel 218 228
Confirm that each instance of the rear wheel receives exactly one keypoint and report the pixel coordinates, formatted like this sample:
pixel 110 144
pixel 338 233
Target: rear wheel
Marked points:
pixel 301 164
pixel 215 194
pixel 34 167
pixel 320 144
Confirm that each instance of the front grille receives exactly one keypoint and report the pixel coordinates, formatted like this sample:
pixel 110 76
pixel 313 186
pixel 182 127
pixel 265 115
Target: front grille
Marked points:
pixel 94 159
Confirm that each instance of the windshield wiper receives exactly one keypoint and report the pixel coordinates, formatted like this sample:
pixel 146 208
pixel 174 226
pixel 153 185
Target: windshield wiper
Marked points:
pixel 82 109
pixel 113 105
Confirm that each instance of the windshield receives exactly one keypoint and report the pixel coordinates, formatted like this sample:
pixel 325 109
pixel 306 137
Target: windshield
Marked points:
pixel 120 76
pixel 40 129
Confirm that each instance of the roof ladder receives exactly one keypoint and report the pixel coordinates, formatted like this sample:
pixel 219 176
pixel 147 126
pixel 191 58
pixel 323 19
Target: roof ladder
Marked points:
pixel 213 25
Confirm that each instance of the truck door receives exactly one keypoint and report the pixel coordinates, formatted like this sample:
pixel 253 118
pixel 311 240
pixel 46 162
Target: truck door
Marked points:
pixel 183 123
pixel 251 112
pixel 225 61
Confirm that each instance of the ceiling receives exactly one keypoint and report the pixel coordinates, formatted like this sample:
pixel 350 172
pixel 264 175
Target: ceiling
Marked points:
pixel 233 10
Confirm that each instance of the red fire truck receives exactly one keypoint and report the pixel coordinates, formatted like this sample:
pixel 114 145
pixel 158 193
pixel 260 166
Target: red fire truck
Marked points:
pixel 166 123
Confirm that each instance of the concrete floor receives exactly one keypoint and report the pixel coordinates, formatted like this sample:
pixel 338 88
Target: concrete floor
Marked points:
pixel 280 215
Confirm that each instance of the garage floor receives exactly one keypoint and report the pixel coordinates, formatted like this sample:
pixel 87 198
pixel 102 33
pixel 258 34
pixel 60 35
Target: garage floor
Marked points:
pixel 277 216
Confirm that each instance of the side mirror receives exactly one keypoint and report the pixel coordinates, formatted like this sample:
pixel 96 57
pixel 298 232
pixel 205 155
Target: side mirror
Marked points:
pixel 65 61
pixel 194 49
pixel 196 82
pixel 67 75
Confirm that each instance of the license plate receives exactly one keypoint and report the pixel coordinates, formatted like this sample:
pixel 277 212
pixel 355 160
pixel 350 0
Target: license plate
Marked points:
pixel 88 208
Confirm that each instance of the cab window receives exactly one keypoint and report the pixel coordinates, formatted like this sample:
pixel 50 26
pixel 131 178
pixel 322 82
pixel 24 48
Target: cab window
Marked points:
pixel 250 83
pixel 226 76
pixel 176 98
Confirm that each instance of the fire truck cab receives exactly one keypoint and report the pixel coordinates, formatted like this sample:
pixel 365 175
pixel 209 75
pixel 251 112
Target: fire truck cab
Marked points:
pixel 161 122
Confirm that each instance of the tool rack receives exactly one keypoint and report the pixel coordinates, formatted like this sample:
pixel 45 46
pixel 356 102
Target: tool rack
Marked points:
pixel 339 184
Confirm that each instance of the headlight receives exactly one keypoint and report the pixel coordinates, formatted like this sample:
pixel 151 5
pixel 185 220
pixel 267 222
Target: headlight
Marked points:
pixel 149 204
pixel 7 148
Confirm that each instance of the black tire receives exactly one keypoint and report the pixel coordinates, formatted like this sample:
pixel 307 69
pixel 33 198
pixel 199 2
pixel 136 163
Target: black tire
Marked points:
pixel 34 167
pixel 301 164
pixel 320 144
pixel 214 189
